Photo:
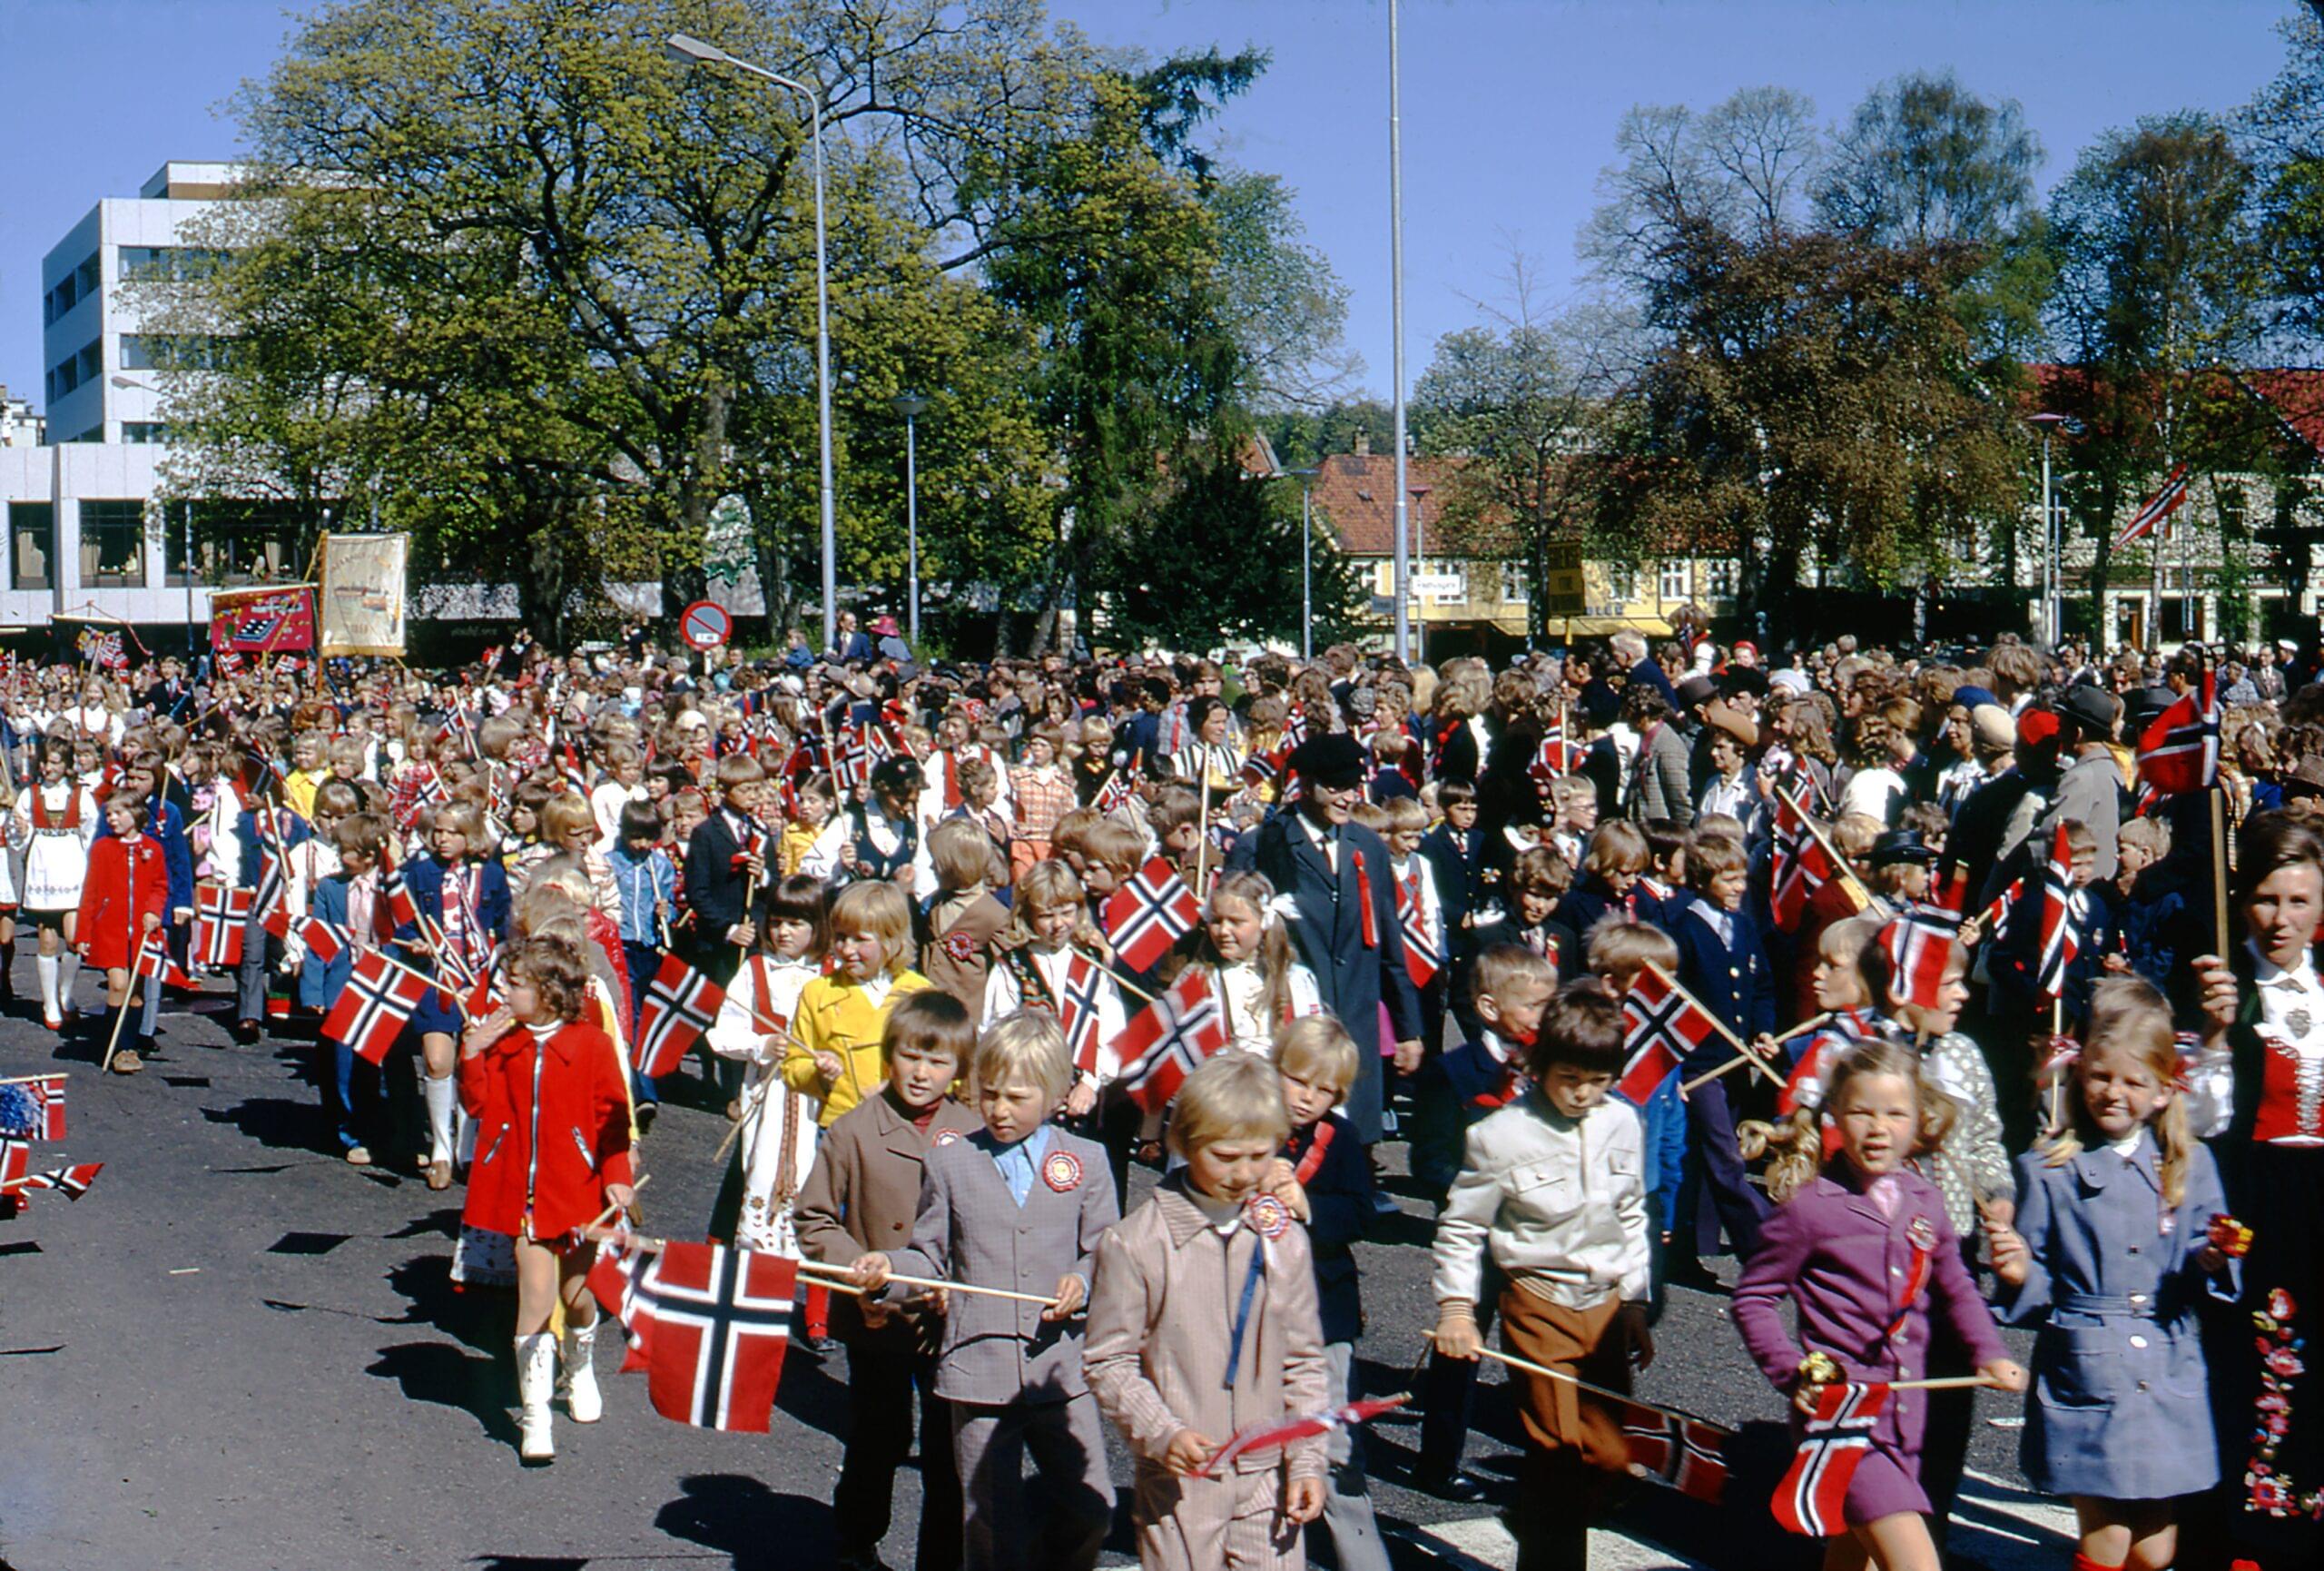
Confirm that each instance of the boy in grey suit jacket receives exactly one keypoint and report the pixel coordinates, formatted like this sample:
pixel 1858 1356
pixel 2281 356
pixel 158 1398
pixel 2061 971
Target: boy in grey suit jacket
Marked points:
pixel 1019 1207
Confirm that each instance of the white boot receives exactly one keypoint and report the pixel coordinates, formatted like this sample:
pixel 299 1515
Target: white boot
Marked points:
pixel 535 1381
pixel 441 1094
pixel 68 971
pixel 577 1376
pixel 45 964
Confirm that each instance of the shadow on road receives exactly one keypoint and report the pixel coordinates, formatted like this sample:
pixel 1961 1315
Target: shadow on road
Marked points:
pixel 275 1122
pixel 743 1517
pixel 476 1383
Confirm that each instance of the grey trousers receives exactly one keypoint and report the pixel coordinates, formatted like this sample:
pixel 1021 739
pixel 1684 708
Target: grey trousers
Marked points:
pixel 1068 1442
pixel 1347 1507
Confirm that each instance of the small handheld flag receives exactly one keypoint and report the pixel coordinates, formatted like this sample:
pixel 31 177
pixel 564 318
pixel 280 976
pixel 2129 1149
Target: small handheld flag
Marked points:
pixel 1810 1497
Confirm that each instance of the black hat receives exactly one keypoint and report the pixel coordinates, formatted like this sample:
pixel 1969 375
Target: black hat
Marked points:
pixel 2090 711
pixel 2145 705
pixel 1601 704
pixel 1334 760
pixel 1697 690
pixel 1895 845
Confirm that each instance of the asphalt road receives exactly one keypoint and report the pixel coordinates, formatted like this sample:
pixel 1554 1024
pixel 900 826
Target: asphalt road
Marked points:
pixel 236 1351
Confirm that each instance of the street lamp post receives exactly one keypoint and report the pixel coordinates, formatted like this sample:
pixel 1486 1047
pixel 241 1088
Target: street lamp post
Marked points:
pixel 1420 561
pixel 694 52
pixel 2054 572
pixel 911 406
pixel 1396 297
pixel 1306 552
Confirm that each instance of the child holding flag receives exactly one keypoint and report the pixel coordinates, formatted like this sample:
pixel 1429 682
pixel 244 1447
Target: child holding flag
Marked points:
pixel 1863 1248
pixel 1549 1193
pixel 1213 1234
pixel 123 901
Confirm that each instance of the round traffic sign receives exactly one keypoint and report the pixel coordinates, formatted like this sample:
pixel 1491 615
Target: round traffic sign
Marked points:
pixel 706 624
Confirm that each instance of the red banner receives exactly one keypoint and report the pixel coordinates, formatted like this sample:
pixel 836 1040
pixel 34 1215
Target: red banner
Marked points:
pixel 262 621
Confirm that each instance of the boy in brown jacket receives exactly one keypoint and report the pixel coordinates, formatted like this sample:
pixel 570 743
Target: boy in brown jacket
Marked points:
pixel 863 1195
pixel 1213 1248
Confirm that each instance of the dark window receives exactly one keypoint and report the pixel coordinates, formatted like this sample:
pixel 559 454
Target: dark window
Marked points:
pixel 112 545
pixel 235 543
pixel 144 431
pixel 32 541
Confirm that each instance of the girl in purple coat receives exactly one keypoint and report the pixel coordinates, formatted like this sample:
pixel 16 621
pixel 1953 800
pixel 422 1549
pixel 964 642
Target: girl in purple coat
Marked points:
pixel 1864 1250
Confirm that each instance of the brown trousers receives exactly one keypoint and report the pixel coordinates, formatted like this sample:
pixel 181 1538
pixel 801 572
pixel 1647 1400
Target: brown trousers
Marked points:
pixel 1574 1450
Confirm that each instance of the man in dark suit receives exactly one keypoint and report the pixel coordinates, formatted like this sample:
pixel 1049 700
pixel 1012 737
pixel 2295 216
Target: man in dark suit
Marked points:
pixel 723 887
pixel 1344 921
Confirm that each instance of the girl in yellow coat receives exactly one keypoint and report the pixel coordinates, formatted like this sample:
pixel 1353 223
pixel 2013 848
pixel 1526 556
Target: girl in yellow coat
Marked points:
pixel 834 1052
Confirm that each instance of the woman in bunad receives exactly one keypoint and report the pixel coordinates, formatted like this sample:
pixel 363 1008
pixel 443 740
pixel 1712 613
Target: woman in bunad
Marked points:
pixel 54 819
pixel 776 1149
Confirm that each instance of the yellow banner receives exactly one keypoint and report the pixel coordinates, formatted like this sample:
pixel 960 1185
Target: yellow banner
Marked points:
pixel 362 600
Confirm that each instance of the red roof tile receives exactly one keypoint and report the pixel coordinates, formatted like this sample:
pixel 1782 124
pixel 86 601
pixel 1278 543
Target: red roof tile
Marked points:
pixel 1356 496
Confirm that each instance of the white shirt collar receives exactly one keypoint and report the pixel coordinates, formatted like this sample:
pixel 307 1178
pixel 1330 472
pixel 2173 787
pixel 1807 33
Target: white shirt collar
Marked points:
pixel 2266 972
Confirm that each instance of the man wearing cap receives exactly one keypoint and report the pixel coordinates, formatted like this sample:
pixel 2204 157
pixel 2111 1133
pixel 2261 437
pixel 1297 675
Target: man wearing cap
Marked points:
pixel 1342 913
pixel 2091 789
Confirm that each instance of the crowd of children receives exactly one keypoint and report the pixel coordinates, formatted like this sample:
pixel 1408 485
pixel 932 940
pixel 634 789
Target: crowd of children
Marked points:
pixel 1959 1008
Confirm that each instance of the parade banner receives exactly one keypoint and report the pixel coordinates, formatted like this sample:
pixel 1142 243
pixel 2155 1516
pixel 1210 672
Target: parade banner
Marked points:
pixel 262 621
pixel 363 601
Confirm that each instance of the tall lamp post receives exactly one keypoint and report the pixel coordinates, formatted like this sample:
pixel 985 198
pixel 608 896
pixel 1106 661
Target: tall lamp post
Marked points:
pixel 911 406
pixel 2054 572
pixel 694 52
pixel 1305 478
pixel 1396 297
pixel 1420 561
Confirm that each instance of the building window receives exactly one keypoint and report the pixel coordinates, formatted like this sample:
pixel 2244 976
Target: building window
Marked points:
pixel 1384 578
pixel 235 543
pixel 169 263
pixel 1621 583
pixel 2234 512
pixel 163 352
pixel 32 541
pixel 1512 581
pixel 1673 583
pixel 1458 572
pixel 1722 579
pixel 145 432
pixel 112 545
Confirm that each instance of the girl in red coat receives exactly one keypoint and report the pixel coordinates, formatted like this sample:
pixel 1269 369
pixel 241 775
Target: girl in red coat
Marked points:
pixel 122 901
pixel 553 1153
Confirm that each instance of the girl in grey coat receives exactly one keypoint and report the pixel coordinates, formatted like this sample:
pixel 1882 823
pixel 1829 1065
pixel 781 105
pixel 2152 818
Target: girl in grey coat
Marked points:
pixel 2109 1257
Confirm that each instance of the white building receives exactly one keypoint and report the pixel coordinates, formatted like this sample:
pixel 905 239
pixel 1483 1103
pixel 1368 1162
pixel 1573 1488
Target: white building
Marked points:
pixel 20 425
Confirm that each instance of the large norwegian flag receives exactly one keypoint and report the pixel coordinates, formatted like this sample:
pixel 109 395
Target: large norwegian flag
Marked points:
pixel 33 1109
pixel 1170 1037
pixel 1149 913
pixel 1800 866
pixel 1675 1450
pixel 1423 960
pixel 1920 945
pixel 2178 751
pixel 375 1008
pixel 219 915
pixel 2156 507
pixel 1837 1437
pixel 1661 1026
pixel 2061 907
pixel 851 761
pixel 708 1325
pixel 680 1004
pixel 1274 1437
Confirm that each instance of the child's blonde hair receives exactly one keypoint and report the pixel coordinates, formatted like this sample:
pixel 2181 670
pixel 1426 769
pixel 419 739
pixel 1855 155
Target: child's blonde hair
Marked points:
pixel 2150 834
pixel 1256 892
pixel 1370 816
pixel 1617 846
pixel 1045 886
pixel 1317 1047
pixel 1229 1095
pixel 1502 968
pixel 962 856
pixel 2126 1012
pixel 1404 814
pixel 1796 1145
pixel 1622 945
pixel 1025 1048
pixel 879 908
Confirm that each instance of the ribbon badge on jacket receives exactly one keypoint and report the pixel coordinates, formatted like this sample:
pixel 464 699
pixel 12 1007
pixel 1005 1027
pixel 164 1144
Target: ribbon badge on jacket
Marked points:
pixel 1369 921
pixel 1921 1234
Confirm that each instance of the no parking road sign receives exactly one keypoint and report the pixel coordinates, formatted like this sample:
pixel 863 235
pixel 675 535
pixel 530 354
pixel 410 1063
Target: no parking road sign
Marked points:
pixel 706 624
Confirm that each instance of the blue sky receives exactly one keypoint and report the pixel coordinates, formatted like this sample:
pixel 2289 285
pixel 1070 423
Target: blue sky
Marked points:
pixel 1510 107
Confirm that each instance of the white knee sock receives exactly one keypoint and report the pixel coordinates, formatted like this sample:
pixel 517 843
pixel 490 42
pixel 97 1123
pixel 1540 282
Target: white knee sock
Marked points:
pixel 46 966
pixel 440 1117
pixel 68 971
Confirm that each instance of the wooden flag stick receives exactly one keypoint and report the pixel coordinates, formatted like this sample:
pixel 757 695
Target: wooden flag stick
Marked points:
pixel 1942 1383
pixel 758 1097
pixel 2219 868
pixel 1202 830
pixel 651 1246
pixel 608 1214
pixel 1121 982
pixel 937 1284
pixel 1531 1368
pixel 28 1078
pixel 1747 1056
pixel 121 1017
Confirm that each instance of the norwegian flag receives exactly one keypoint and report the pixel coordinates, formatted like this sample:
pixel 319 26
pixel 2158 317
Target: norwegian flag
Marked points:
pixel 1673 1449
pixel 103 649
pixel 375 1006
pixel 1423 960
pixel 1264 768
pixel 2156 507
pixel 1113 795
pixel 326 940
pixel 2061 904
pixel 218 917
pixel 1555 756
pixel 33 1109
pixel 680 1004
pixel 403 909
pixel 1805 1086
pixel 1920 945
pixel 271 905
pixel 1078 1012
pixel 153 959
pixel 577 779
pixel 230 662
pixel 1170 1037
pixel 1661 1026
pixel 1808 1498
pixel 1295 728
pixel 708 1325
pixel 851 761
pixel 1274 1437
pixel 1800 867
pixel 2179 752
pixel 1150 912
pixel 1995 918
pixel 17 1179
